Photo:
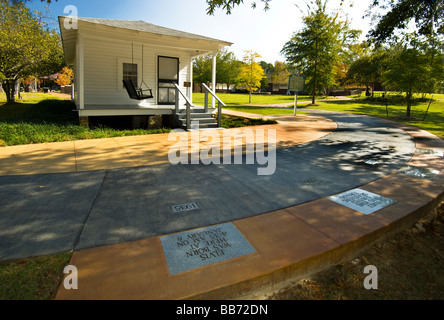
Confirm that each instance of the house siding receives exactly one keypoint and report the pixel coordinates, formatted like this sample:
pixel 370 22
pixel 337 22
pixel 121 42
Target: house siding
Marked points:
pixel 76 79
pixel 104 59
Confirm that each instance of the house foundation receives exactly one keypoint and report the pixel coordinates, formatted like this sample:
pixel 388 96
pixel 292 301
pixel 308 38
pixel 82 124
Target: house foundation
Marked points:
pixel 155 121
pixel 84 121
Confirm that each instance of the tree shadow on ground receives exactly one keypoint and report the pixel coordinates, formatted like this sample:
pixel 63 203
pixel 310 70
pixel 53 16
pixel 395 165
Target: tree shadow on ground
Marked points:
pixel 48 111
pixel 429 118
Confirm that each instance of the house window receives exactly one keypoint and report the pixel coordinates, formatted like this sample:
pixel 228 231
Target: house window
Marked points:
pixel 130 72
pixel 168 74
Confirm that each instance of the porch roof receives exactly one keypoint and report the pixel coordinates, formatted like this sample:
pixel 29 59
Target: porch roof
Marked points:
pixel 143 26
pixel 201 44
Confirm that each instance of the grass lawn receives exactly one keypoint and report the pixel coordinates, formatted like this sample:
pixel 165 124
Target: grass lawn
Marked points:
pixel 236 122
pixel 434 122
pixel 42 118
pixel 32 279
pixel 266 111
pixel 237 99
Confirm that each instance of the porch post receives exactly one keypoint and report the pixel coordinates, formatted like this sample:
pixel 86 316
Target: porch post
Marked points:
pixel 213 100
pixel 191 81
pixel 81 68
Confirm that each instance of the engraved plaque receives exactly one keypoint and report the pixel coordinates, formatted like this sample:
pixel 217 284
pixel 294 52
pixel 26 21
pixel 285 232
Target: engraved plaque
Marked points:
pixel 419 172
pixel 185 207
pixel 362 201
pixel 201 247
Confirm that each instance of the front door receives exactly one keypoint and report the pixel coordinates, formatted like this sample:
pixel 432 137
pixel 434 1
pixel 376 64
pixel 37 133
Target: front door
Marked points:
pixel 168 73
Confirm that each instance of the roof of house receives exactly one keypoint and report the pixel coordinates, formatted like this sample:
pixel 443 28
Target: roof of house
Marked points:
pixel 201 44
pixel 143 26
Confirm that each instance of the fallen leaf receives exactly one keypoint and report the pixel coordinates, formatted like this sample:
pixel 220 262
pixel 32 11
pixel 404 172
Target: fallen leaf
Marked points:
pixel 365 259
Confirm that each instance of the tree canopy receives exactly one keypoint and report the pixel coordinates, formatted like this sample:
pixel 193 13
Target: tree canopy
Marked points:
pixel 315 50
pixel 368 68
pixel 228 5
pixel 226 65
pixel 251 73
pixel 27 47
pixel 427 15
pixel 397 15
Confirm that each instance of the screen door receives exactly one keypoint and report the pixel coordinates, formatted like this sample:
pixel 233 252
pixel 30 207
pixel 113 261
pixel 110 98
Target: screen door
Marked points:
pixel 168 74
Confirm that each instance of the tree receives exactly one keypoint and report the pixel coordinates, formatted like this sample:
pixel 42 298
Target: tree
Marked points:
pixel 411 70
pixel 427 14
pixel 15 1
pixel 65 77
pixel 315 50
pixel 226 65
pixel 264 82
pixel 368 68
pixel 202 67
pixel 268 69
pixel 251 73
pixel 26 47
pixel 228 5
pixel 280 74
pixel 407 67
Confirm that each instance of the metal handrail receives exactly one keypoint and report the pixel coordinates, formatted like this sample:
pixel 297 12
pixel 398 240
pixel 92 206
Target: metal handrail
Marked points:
pixel 220 103
pixel 188 105
pixel 213 94
pixel 183 95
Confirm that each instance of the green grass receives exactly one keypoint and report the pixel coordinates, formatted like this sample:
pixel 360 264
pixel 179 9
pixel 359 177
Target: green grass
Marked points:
pixel 42 120
pixel 266 111
pixel 32 279
pixel 434 122
pixel 235 99
pixel 237 122
pixel 30 97
pixel 427 96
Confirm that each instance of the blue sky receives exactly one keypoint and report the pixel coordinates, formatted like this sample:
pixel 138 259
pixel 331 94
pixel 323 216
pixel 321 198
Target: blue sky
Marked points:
pixel 247 28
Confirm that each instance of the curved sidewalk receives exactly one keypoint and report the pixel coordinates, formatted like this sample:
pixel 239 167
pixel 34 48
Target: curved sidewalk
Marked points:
pixel 132 151
pixel 289 219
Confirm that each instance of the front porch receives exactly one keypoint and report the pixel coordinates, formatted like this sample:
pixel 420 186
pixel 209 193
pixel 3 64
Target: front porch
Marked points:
pixel 174 116
pixel 125 110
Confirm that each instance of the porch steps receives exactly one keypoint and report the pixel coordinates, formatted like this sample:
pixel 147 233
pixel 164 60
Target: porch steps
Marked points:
pixel 206 119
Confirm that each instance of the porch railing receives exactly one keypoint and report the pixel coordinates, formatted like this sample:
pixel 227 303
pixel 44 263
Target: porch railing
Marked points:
pixel 220 104
pixel 187 103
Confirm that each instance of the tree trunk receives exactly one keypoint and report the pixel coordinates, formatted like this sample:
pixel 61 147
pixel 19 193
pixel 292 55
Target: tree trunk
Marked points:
pixel 313 100
pixel 409 103
pixel 9 88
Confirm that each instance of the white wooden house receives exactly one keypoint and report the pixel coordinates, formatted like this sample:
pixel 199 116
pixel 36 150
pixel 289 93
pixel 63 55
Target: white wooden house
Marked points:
pixel 104 52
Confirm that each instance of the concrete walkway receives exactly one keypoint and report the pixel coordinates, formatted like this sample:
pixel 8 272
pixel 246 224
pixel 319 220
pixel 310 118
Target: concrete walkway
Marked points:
pixel 136 151
pixel 111 200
